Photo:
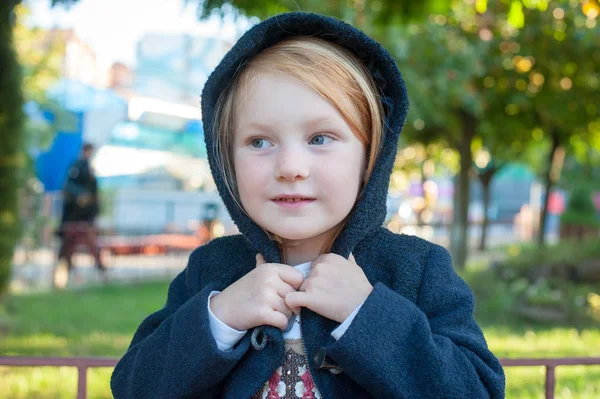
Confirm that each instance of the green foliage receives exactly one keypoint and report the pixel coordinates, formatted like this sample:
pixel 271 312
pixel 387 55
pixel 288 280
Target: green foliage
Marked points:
pixel 532 262
pixel 366 14
pixel 558 283
pixel 580 209
pixel 440 65
pixel 41 54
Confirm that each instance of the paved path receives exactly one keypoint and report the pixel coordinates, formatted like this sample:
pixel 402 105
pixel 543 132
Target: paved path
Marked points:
pixel 35 272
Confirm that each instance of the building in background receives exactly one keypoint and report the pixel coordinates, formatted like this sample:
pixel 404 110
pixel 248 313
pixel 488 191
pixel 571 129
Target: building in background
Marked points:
pixel 78 60
pixel 159 147
pixel 174 67
pixel 120 80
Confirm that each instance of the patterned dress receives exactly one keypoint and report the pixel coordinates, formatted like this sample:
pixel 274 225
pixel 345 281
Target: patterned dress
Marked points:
pixel 291 380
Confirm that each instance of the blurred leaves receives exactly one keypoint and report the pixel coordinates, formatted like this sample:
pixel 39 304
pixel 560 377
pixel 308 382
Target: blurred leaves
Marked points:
pixel 26 75
pixel 41 54
pixel 362 13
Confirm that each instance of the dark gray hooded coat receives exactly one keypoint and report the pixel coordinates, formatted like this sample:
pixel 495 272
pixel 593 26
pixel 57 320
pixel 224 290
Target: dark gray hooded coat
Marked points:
pixel 414 337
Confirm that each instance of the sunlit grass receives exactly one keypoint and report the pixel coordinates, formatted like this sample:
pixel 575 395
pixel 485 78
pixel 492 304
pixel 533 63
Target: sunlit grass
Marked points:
pixel 554 342
pixel 101 322
pixel 51 382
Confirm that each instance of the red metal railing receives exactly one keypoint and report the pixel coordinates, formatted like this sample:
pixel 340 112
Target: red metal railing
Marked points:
pixel 551 365
pixel 83 363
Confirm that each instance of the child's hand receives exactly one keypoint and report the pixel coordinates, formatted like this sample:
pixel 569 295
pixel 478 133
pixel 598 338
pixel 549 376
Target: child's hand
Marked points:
pixel 259 297
pixel 334 289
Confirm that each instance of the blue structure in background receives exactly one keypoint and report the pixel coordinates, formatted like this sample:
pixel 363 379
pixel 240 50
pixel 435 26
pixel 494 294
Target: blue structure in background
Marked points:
pixel 52 166
pixel 194 127
pixel 78 100
pixel 189 141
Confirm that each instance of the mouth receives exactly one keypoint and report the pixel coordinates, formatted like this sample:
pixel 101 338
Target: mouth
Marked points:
pixel 293 200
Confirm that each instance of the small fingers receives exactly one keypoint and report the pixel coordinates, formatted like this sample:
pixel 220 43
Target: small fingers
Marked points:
pixel 291 276
pixel 296 300
pixel 283 289
pixel 276 319
pixel 280 306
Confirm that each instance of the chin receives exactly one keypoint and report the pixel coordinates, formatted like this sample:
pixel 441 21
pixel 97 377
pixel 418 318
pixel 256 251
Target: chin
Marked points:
pixel 296 234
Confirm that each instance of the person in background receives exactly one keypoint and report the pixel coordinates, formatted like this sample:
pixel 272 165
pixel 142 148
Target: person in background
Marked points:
pixel 81 206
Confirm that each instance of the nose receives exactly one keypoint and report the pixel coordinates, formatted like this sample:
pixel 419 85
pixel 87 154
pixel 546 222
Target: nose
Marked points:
pixel 292 164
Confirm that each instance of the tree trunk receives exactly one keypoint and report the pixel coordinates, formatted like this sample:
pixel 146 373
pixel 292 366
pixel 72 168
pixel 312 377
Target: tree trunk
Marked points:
pixel 486 179
pixel 459 236
pixel 11 155
pixel 550 180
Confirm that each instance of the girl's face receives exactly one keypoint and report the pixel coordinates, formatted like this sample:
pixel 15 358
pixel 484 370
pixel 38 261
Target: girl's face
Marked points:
pixel 298 165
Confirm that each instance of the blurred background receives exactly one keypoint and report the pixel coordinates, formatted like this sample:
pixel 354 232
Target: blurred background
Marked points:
pixel 499 161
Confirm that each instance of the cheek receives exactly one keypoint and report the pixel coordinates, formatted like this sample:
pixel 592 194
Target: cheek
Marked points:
pixel 356 163
pixel 250 176
pixel 344 175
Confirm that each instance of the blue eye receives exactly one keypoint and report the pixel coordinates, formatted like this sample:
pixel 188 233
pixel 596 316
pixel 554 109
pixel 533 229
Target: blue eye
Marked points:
pixel 259 143
pixel 320 139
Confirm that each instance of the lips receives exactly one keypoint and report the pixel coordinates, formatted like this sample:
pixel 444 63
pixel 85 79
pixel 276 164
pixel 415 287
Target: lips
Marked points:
pixel 292 200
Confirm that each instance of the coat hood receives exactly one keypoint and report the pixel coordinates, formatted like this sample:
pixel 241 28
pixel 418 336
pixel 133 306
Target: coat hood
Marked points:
pixel 369 212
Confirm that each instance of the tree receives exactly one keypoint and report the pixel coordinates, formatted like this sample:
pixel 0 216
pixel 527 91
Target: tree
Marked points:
pixel 504 136
pixel 40 53
pixel 12 124
pixel 11 151
pixel 558 64
pixel 581 179
pixel 442 63
pixel 493 95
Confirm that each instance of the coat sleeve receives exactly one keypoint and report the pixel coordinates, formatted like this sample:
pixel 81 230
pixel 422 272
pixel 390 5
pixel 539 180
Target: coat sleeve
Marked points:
pixel 433 348
pixel 173 353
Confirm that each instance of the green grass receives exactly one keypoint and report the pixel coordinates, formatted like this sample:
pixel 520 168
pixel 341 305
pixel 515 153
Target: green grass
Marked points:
pixel 101 322
pixel 93 322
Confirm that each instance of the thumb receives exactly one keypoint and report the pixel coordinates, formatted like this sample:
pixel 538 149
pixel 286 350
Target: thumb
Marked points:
pixel 260 259
pixel 296 300
pixel 351 258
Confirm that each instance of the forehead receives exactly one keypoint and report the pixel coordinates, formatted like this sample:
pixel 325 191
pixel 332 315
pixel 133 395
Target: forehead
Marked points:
pixel 277 98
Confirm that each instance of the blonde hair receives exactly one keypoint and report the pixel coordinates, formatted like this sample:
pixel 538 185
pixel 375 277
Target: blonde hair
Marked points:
pixel 329 69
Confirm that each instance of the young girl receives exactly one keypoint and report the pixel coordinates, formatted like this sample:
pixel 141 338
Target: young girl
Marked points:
pixel 314 299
